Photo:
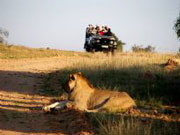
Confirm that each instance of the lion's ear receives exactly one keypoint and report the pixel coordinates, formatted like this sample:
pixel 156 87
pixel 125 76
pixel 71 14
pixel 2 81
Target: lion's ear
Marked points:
pixel 72 77
pixel 79 73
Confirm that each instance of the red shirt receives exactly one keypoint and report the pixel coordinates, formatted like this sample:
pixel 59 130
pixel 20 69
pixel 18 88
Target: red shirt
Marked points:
pixel 101 33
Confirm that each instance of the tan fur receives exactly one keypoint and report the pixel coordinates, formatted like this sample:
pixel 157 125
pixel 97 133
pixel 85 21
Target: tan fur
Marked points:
pixel 87 98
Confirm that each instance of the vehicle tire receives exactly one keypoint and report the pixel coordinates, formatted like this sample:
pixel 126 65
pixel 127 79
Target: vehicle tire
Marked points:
pixel 88 49
pixel 93 50
pixel 113 51
pixel 106 51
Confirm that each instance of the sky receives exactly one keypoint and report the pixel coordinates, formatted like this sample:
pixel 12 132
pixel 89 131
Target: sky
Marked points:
pixel 61 24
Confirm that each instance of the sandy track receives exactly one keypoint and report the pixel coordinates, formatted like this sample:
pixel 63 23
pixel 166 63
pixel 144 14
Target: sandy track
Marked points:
pixel 20 106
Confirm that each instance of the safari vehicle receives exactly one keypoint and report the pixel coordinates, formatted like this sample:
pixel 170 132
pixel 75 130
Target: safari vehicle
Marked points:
pixel 105 43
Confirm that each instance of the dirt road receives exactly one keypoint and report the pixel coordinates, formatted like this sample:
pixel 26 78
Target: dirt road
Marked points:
pixel 20 105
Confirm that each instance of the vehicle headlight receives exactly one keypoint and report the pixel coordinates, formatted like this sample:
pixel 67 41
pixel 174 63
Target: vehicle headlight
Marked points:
pixel 111 42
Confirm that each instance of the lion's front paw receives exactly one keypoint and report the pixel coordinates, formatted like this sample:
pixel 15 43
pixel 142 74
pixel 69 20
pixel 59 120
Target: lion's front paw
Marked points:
pixel 46 109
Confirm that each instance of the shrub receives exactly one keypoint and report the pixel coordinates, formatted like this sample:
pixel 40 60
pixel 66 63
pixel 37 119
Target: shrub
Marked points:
pixel 138 48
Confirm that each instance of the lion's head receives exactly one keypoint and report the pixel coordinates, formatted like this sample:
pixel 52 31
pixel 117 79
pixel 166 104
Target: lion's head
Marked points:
pixel 72 81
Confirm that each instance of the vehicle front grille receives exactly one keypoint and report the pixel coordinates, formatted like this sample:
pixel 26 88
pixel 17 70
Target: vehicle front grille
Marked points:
pixel 105 42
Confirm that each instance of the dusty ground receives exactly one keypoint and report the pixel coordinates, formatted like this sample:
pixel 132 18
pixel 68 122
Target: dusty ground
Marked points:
pixel 20 105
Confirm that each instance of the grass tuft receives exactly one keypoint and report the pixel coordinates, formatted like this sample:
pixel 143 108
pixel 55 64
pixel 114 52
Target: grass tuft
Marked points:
pixel 113 124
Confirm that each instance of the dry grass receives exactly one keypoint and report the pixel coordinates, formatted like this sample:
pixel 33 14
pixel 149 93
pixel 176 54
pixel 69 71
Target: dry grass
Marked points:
pixel 113 124
pixel 19 52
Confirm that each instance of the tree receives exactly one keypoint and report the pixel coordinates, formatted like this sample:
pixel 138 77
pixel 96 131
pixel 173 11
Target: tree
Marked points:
pixel 3 35
pixel 177 26
pixel 119 43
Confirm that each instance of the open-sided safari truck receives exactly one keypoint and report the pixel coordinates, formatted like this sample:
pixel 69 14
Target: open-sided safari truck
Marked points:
pixel 99 39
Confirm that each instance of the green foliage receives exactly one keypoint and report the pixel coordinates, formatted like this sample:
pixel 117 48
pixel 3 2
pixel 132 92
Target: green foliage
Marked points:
pixel 119 43
pixel 138 48
pixel 177 26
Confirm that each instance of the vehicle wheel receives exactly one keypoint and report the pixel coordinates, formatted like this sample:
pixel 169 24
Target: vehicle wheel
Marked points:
pixel 93 50
pixel 85 45
pixel 113 51
pixel 106 51
pixel 88 49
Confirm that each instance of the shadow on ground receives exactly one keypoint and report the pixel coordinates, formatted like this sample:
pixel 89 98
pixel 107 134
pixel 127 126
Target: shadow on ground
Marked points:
pixel 65 122
pixel 21 82
pixel 20 107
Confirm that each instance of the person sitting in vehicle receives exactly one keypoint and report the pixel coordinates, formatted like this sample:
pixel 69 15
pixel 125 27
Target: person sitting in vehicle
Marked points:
pixel 103 29
pixel 90 27
pixel 97 29
pixel 93 31
pixel 100 32
pixel 89 30
pixel 108 31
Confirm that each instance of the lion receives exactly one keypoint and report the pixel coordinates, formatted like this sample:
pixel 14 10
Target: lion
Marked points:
pixel 83 96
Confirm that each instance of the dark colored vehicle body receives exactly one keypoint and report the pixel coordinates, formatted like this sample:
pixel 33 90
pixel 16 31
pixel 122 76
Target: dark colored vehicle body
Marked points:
pixel 103 43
